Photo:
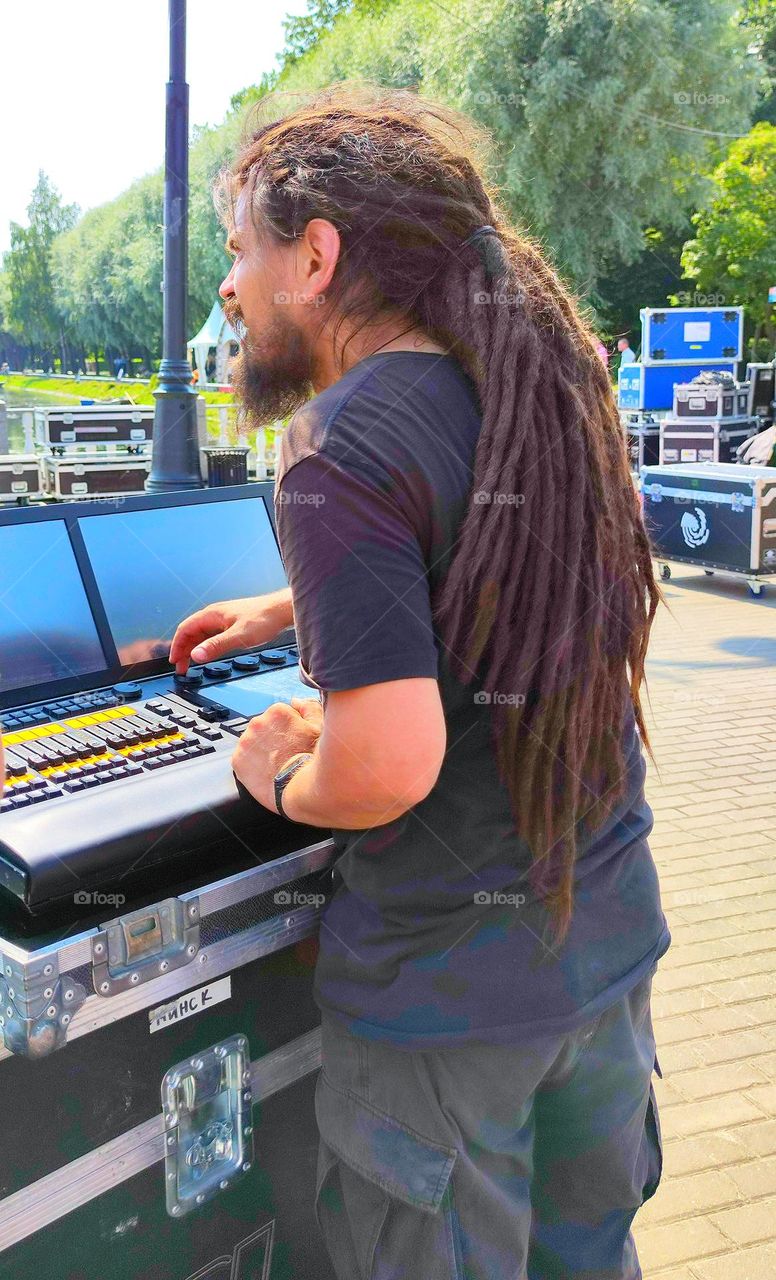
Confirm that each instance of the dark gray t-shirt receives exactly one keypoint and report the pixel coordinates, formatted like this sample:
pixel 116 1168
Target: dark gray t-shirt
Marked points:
pixel 432 937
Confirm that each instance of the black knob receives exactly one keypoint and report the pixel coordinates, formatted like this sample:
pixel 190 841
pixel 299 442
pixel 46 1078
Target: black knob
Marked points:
pixel 190 680
pixel 218 668
pixel 246 662
pixel 273 657
pixel 128 691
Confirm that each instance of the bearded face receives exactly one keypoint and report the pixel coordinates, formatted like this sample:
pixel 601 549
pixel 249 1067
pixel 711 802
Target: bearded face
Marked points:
pixel 272 374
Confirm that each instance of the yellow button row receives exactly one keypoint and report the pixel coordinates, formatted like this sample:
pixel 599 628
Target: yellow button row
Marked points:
pixel 72 722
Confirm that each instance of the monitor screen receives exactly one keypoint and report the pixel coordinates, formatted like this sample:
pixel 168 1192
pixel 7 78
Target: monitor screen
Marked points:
pixel 156 566
pixel 47 631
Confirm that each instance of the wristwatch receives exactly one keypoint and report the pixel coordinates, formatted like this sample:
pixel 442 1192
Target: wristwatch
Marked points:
pixel 284 776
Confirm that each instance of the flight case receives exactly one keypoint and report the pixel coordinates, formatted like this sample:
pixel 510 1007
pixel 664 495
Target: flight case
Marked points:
pixel 714 515
pixel 158 1081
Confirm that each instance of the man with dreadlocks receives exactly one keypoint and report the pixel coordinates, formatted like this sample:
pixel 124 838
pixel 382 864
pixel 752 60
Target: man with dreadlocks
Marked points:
pixel 472 591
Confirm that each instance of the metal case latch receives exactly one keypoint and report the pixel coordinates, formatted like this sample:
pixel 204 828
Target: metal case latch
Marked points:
pixel 654 492
pixel 206 1104
pixel 145 944
pixel 737 501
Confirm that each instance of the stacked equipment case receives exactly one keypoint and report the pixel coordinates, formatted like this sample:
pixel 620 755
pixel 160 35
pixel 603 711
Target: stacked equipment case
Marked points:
pixel 677 343
pixel 717 516
pixel 709 420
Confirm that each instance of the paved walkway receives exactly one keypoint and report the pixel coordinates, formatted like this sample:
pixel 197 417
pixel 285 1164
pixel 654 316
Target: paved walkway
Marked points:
pixel 712 677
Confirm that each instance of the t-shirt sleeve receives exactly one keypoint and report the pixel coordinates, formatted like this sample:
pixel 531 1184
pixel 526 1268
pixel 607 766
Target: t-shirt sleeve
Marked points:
pixel 358 578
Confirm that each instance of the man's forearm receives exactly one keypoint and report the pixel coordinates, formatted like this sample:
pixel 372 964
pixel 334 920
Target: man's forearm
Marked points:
pixel 308 797
pixel 280 607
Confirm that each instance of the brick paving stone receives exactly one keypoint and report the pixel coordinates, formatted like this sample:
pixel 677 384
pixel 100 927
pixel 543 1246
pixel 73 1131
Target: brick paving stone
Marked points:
pixel 711 713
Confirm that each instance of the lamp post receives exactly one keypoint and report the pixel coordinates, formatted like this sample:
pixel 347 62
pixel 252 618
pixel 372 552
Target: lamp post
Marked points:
pixel 175 461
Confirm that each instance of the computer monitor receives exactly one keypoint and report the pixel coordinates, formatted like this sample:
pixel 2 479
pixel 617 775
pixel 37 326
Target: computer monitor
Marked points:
pixel 155 566
pixel 47 630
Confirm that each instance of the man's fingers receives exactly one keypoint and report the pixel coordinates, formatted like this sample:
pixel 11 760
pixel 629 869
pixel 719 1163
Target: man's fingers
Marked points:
pixel 216 646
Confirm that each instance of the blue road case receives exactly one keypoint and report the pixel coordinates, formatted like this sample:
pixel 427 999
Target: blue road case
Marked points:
pixel 677 335
pixel 651 386
pixel 716 515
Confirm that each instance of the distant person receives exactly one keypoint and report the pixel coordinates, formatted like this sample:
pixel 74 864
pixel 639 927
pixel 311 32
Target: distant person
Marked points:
pixel 627 354
pixel 602 353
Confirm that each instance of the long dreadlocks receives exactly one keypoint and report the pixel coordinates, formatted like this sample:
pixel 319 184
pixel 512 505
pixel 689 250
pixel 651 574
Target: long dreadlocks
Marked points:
pixel 550 594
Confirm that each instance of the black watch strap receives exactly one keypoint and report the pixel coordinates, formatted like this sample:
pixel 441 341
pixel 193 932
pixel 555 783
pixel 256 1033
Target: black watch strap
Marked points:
pixel 284 776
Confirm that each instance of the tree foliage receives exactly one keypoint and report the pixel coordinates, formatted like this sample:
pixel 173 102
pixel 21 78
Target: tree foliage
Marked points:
pixel 30 303
pixel 734 248
pixel 610 123
pixel 599 128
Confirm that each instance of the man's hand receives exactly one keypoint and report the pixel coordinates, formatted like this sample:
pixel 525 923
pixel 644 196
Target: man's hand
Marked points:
pixel 271 740
pixel 229 625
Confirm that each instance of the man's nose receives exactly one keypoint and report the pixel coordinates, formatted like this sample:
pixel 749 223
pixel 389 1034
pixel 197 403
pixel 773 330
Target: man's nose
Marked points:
pixel 226 288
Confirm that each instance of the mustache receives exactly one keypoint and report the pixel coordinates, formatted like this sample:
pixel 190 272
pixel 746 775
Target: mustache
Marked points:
pixel 234 316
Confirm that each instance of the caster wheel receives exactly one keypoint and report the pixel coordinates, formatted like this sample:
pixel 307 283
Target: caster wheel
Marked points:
pixel 756 588
pixel 665 572
pixel 709 573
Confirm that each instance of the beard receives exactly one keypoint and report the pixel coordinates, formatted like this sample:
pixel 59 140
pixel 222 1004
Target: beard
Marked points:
pixel 272 374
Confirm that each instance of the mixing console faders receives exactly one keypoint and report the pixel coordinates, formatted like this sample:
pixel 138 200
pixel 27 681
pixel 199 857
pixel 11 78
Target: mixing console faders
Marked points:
pixel 76 753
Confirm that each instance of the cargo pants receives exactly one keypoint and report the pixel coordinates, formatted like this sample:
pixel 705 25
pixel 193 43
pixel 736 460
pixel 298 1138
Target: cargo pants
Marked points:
pixel 487 1162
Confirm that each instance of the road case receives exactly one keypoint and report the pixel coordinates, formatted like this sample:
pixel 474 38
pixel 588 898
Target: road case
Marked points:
pixel 677 335
pixel 711 400
pixel 762 391
pixel 650 387
pixel 94 475
pixel 20 476
pixel 158 1082
pixel 94 424
pixel 642 439
pixel 716 516
pixel 686 440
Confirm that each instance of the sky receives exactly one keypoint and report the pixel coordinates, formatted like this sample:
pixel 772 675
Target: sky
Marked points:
pixel 82 88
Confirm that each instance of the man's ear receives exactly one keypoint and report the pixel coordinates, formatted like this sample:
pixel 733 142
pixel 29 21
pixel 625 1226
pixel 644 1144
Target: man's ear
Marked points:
pixel 320 248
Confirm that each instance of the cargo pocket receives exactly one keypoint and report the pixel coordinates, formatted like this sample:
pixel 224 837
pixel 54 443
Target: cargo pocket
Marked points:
pixel 384 1197
pixel 654 1141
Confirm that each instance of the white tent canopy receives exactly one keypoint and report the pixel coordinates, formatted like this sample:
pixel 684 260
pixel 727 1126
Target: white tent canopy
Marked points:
pixel 215 332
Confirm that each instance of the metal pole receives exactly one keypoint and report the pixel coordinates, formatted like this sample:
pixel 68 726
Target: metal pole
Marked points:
pixel 175 459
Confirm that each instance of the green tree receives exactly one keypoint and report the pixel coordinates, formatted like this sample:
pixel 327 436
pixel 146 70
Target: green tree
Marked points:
pixel 759 23
pixel 602 125
pixel 32 313
pixel 734 248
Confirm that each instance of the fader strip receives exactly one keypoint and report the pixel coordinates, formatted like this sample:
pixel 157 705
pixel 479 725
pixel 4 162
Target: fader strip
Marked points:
pixel 78 752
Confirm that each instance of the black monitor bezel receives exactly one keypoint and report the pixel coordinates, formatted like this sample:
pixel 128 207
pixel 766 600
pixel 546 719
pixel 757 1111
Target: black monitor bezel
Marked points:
pixel 71 512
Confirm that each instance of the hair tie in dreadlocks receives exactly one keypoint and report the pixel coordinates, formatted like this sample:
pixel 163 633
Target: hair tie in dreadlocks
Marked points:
pixel 477 232
pixel 491 250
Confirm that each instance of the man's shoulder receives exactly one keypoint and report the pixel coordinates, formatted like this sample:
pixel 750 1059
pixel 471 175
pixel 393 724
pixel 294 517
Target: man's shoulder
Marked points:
pixel 380 413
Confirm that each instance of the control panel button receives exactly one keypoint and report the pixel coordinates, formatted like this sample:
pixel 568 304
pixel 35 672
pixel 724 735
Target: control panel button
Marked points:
pixel 191 680
pixel 246 662
pixel 274 657
pixel 129 690
pixel 218 669
pixel 235 726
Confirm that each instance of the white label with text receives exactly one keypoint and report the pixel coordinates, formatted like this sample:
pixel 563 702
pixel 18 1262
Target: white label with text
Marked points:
pixel 190 1003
